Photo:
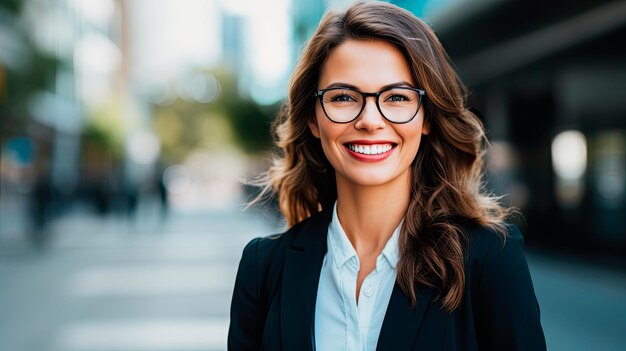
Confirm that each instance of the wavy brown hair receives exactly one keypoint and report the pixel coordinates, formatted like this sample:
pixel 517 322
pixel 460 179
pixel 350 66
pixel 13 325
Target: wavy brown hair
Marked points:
pixel 447 192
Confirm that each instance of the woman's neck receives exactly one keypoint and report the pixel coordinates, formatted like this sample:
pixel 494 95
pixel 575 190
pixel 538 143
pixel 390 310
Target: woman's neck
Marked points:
pixel 370 214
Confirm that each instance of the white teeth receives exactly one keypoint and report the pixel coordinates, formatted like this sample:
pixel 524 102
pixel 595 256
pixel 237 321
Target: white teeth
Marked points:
pixel 370 149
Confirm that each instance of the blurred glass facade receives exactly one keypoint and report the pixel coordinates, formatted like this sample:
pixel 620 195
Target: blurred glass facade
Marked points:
pixel 548 81
pixel 128 128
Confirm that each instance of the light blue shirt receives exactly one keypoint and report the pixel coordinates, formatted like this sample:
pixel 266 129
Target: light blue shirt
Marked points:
pixel 341 324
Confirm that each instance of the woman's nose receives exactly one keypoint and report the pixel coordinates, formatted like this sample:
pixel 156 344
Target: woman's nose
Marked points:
pixel 370 118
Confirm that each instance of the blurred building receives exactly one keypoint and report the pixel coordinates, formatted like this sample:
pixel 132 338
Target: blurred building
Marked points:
pixel 306 15
pixel 55 57
pixel 70 114
pixel 548 79
pixel 233 32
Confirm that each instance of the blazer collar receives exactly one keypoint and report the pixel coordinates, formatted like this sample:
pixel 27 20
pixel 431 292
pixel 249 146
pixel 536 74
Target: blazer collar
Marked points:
pixel 302 267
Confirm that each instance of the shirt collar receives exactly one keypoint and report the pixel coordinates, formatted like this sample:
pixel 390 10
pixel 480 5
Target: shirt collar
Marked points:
pixel 391 251
pixel 338 242
pixel 342 250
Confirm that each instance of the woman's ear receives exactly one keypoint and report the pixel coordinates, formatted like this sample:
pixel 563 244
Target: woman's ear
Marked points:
pixel 426 127
pixel 315 129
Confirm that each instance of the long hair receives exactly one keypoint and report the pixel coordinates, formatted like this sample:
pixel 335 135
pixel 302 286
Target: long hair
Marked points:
pixel 447 193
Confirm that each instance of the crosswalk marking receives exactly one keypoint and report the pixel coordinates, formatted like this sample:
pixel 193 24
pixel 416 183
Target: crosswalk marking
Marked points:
pixel 146 334
pixel 156 279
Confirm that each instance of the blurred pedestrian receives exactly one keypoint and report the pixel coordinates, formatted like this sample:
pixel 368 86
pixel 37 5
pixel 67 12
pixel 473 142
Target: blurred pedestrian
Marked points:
pixel 162 191
pixel 394 244
pixel 40 205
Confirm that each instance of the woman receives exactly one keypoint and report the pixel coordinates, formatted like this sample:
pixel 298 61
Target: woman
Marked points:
pixel 393 244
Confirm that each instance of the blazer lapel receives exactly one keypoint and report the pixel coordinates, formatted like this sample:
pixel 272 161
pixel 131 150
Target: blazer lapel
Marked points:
pixel 303 264
pixel 402 322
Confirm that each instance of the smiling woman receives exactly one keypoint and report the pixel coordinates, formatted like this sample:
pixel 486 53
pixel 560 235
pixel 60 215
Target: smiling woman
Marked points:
pixel 394 245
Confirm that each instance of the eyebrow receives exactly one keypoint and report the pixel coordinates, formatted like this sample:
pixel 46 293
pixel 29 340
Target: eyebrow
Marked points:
pixel 348 85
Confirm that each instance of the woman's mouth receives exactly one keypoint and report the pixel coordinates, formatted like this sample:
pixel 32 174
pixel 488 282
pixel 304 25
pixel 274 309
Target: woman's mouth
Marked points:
pixel 370 152
pixel 373 149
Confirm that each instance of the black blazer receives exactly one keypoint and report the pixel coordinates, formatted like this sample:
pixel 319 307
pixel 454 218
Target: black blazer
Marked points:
pixel 499 310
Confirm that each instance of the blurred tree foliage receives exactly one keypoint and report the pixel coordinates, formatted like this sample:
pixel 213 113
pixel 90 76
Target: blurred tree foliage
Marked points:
pixel 11 5
pixel 231 120
pixel 105 128
pixel 35 72
pixel 183 126
pixel 251 122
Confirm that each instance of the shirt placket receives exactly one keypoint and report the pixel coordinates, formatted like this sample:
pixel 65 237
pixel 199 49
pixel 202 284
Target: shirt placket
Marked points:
pixel 366 299
pixel 352 317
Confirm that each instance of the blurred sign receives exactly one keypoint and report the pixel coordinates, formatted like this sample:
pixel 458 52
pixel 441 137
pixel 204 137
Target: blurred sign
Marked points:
pixel 21 151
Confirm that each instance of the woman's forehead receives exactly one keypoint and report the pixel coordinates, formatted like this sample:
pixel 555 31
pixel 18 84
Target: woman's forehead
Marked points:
pixel 366 64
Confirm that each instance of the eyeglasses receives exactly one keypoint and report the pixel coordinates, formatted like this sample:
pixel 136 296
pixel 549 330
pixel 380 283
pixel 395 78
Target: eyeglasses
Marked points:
pixel 396 104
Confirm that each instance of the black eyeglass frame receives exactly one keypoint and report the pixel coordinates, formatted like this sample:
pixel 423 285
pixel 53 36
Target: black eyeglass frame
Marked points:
pixel 421 93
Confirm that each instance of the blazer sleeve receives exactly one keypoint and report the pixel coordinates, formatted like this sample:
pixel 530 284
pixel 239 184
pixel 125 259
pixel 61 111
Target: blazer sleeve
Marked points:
pixel 244 332
pixel 509 311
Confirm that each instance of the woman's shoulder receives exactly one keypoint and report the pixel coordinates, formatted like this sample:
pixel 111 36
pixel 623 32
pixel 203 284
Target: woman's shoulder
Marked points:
pixel 262 247
pixel 494 253
pixel 482 239
pixel 496 257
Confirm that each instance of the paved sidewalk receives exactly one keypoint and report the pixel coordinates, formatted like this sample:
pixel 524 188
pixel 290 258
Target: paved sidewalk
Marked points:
pixel 583 306
pixel 110 284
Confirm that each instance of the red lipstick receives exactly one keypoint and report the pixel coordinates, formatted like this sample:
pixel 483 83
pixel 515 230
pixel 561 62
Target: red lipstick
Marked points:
pixel 363 157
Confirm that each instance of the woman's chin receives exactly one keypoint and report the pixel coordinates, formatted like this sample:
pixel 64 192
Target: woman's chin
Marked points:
pixel 367 178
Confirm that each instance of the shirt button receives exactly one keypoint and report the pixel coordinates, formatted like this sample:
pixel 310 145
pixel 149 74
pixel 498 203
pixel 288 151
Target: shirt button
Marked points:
pixel 368 292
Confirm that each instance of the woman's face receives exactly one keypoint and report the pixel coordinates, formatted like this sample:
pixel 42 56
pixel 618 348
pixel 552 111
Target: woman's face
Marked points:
pixel 368 66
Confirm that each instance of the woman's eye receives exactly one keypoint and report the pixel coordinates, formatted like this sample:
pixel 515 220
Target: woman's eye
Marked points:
pixel 398 98
pixel 342 98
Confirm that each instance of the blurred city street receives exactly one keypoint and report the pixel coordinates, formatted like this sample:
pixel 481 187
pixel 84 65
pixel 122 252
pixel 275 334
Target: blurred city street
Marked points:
pixel 106 283
pixel 110 284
